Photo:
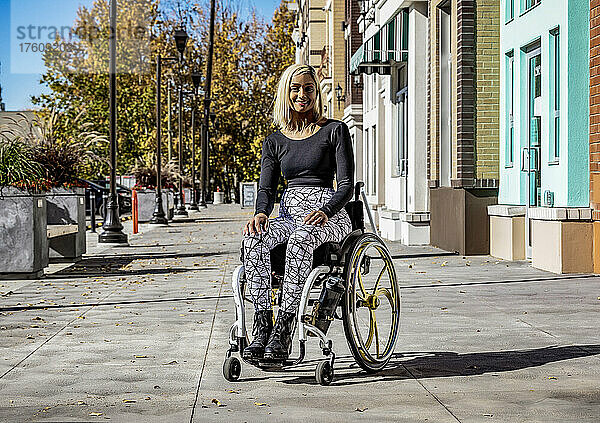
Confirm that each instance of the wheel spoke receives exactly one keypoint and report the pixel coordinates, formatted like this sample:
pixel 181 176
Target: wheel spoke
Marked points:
pixel 384 291
pixel 371 331
pixel 379 279
pixel 360 283
pixel 376 336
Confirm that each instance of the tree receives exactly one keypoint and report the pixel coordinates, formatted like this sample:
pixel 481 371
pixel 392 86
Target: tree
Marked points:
pixel 249 58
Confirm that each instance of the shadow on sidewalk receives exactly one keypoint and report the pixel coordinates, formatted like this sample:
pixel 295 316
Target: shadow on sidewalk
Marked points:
pixel 423 365
pixel 107 266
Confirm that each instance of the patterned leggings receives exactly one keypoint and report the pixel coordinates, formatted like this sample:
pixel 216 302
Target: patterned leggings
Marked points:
pixel 301 239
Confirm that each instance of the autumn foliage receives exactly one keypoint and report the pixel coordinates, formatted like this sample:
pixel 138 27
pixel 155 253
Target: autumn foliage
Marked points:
pixel 249 56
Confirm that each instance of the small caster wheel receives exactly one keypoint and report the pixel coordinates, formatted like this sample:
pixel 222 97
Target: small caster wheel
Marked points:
pixel 232 369
pixel 324 373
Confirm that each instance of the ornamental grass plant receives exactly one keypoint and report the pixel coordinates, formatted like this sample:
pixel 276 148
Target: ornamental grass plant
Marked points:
pixel 18 167
pixel 58 160
pixel 145 175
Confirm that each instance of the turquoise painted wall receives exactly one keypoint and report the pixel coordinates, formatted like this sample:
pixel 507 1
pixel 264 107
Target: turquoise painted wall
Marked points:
pixel 568 177
pixel 579 105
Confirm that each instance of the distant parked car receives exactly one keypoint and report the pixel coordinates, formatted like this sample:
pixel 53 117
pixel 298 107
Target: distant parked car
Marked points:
pixel 98 190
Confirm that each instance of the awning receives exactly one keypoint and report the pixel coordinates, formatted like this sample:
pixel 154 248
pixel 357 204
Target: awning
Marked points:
pixel 384 50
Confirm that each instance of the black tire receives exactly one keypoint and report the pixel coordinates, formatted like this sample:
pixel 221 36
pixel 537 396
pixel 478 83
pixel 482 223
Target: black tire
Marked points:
pixel 324 373
pixel 357 297
pixel 232 369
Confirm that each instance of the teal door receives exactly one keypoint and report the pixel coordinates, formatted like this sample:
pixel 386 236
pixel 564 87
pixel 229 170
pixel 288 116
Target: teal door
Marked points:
pixel 530 155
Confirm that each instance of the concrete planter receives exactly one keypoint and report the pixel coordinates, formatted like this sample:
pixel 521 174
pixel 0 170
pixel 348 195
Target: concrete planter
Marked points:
pixel 170 210
pixel 187 193
pixel 218 197
pixel 459 219
pixel 147 204
pixel 23 237
pixel 66 223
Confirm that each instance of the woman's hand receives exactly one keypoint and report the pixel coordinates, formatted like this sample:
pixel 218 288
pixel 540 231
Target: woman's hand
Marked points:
pixel 317 218
pixel 257 224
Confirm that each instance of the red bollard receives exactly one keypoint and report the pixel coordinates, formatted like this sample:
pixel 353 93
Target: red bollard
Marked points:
pixel 134 210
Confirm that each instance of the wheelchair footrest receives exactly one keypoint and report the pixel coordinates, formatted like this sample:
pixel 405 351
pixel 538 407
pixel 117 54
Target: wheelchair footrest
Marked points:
pixel 271 364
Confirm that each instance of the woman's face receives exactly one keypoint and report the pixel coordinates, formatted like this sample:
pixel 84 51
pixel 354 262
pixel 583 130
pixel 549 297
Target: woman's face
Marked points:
pixel 303 92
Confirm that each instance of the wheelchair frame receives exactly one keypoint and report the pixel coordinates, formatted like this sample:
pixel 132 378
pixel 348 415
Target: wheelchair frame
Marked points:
pixel 336 264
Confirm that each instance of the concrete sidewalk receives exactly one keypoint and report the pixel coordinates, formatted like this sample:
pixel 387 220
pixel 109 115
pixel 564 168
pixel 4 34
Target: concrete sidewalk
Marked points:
pixel 139 334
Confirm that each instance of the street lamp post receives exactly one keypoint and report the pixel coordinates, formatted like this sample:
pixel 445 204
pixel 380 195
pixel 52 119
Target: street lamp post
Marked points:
pixel 196 78
pixel 170 135
pixel 158 217
pixel 181 211
pixel 112 230
pixel 207 86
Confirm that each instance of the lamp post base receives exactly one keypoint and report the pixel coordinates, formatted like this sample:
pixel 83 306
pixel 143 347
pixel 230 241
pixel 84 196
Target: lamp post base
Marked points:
pixel 181 211
pixel 158 217
pixel 112 230
pixel 159 220
pixel 193 207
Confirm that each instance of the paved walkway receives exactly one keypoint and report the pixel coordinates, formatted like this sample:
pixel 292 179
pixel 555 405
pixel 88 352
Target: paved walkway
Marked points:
pixel 138 334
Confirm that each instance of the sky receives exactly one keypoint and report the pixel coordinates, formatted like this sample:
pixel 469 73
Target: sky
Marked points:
pixel 25 23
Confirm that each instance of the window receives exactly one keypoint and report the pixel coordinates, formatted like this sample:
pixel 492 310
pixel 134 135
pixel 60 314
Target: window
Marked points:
pixel 530 3
pixel 367 161
pixel 554 95
pixel 371 161
pixel 510 10
pixel 400 158
pixel 374 90
pixel 510 117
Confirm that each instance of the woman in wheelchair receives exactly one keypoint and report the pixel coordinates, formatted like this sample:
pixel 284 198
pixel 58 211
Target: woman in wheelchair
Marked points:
pixel 308 150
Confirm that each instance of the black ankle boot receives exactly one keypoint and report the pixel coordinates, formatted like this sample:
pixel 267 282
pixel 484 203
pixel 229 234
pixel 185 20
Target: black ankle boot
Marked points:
pixel 261 330
pixel 280 342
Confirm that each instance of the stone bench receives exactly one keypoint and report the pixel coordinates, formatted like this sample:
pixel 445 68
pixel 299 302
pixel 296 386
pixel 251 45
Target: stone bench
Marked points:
pixel 56 231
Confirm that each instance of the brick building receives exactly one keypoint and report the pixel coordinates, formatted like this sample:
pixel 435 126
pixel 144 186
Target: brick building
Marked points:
pixel 353 85
pixel 333 58
pixel 463 129
pixel 545 136
pixel 310 32
pixel 595 127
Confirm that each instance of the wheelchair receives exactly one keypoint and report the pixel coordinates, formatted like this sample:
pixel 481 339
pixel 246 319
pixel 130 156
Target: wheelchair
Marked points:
pixel 369 300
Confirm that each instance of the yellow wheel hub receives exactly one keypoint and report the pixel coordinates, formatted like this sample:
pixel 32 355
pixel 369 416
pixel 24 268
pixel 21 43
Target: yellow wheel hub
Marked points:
pixel 372 302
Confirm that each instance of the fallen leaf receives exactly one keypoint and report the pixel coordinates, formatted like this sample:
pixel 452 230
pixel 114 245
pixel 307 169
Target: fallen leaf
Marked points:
pixel 361 409
pixel 552 378
pixel 217 402
pixel 141 356
pixel 95 414
pixel 128 401
pixel 261 404
pixel 81 403
pixel 170 362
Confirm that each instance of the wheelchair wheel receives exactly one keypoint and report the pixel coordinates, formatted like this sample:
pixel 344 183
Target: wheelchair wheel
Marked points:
pixel 324 373
pixel 232 368
pixel 371 309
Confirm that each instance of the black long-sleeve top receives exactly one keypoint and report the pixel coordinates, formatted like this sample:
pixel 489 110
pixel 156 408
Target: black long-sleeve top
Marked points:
pixel 310 161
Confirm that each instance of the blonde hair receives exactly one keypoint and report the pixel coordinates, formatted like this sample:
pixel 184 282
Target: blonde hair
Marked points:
pixel 282 113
